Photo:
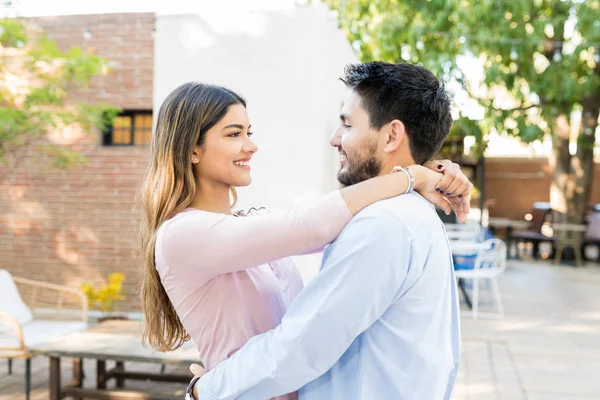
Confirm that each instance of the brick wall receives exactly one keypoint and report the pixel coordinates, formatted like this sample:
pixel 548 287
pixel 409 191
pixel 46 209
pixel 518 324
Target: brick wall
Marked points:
pixel 514 184
pixel 125 40
pixel 76 226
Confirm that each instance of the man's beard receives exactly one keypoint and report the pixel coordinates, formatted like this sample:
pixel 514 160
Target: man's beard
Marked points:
pixel 360 167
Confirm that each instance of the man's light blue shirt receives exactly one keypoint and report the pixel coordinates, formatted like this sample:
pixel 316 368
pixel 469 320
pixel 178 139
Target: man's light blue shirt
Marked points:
pixel 379 321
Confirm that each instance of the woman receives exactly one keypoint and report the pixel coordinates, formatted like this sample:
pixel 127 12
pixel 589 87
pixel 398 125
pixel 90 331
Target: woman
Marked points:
pixel 217 277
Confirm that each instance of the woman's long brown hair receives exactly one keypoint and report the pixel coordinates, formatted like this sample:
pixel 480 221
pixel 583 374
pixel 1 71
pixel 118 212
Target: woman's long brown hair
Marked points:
pixel 167 188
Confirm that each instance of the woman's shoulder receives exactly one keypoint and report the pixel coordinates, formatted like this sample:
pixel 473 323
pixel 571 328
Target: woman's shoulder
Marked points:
pixel 190 218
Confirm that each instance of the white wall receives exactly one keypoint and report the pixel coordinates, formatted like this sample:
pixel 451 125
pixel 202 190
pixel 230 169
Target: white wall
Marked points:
pixel 286 65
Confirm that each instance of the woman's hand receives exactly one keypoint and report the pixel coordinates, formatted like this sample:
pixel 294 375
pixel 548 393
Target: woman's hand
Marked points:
pixel 197 371
pixel 445 185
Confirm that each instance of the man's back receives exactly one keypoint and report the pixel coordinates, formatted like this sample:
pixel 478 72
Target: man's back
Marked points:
pixel 411 350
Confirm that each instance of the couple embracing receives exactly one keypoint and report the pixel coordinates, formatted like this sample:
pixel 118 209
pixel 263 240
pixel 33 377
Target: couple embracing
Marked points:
pixel 379 321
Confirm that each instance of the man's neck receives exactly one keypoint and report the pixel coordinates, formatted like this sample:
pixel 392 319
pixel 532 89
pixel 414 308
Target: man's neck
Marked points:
pixel 398 160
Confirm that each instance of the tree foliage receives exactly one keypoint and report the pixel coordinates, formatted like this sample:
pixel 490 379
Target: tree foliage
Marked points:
pixel 540 61
pixel 35 79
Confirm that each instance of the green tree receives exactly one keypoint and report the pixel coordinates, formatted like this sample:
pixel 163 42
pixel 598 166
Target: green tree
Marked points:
pixel 35 79
pixel 540 59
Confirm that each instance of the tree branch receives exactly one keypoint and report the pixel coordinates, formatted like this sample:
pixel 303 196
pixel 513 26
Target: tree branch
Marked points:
pixel 523 108
pixel 479 100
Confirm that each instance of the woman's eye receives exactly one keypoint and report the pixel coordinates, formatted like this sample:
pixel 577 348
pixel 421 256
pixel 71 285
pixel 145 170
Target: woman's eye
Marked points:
pixel 250 133
pixel 346 126
pixel 235 134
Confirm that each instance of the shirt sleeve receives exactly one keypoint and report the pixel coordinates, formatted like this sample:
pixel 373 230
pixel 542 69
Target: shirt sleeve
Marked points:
pixel 212 244
pixel 362 274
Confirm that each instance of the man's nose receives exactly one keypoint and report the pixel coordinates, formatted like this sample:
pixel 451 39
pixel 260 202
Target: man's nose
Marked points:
pixel 335 139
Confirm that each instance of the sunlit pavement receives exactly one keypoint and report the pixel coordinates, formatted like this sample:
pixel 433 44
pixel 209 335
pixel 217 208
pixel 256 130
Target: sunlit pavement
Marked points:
pixel 547 346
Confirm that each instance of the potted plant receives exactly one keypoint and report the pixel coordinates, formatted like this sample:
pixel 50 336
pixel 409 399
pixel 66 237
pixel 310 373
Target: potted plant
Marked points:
pixel 106 297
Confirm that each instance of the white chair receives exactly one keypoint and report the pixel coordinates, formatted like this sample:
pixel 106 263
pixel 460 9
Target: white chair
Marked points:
pixel 20 330
pixel 490 262
pixel 470 231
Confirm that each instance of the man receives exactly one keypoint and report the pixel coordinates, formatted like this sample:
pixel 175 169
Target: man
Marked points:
pixel 380 320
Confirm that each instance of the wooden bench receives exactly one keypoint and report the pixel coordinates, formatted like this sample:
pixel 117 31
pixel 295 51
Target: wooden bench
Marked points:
pixel 533 233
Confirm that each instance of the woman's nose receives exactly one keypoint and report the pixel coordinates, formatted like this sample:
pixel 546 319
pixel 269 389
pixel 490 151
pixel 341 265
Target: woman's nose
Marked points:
pixel 250 146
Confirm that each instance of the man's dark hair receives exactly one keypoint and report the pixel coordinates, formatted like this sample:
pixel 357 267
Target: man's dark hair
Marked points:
pixel 409 93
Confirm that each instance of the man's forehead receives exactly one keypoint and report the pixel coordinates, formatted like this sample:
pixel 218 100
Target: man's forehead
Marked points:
pixel 352 105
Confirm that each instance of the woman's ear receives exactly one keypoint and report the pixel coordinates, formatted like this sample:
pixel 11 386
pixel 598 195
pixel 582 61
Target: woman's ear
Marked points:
pixel 196 155
pixel 396 135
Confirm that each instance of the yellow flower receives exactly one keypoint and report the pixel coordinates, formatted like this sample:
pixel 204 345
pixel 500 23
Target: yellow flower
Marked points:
pixel 104 297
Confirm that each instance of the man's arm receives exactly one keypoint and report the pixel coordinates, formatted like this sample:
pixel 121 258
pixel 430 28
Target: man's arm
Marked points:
pixel 362 274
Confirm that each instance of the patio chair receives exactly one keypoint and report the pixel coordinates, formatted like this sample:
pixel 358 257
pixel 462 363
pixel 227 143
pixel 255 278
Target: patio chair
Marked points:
pixel 567 235
pixel 20 329
pixel 592 233
pixel 490 262
pixel 471 231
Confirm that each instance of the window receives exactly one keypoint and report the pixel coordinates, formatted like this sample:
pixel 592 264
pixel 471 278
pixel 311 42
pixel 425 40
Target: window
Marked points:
pixel 131 127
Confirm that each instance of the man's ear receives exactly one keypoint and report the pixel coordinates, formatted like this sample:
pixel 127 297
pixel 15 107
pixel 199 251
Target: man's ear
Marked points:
pixel 395 137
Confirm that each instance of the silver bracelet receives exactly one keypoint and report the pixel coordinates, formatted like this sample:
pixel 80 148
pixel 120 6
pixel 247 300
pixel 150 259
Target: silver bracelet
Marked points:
pixel 409 175
pixel 190 388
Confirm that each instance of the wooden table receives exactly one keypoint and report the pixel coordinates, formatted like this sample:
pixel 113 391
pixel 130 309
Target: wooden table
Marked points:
pixel 507 223
pixel 119 341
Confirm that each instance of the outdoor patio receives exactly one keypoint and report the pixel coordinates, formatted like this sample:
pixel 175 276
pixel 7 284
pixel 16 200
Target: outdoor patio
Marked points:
pixel 546 347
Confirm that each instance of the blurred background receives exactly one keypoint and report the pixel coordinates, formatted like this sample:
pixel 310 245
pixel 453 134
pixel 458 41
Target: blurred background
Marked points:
pixel 81 81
